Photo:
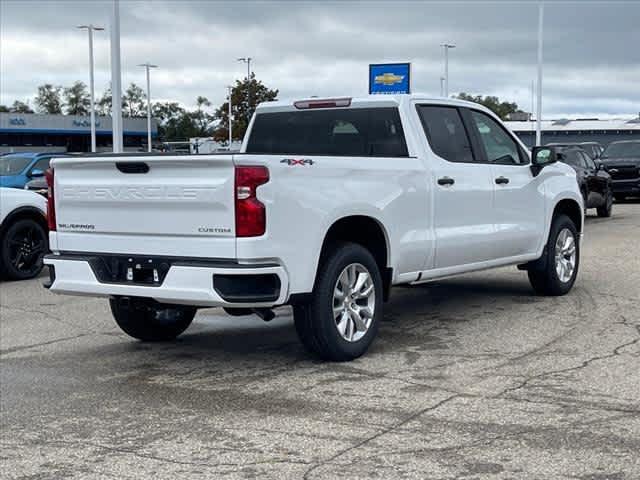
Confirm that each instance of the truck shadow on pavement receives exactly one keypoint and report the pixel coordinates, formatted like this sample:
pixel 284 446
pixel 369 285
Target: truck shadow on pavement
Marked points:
pixel 423 314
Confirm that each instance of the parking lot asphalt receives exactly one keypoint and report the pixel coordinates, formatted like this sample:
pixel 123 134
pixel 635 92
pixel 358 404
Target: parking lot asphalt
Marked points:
pixel 472 377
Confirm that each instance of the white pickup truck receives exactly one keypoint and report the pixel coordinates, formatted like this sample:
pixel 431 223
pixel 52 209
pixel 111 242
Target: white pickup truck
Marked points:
pixel 329 203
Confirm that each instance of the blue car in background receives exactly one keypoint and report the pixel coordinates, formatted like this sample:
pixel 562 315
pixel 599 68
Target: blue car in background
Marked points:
pixel 16 169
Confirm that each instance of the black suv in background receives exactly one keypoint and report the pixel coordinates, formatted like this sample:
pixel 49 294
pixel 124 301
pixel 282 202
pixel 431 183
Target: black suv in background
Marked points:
pixel 593 149
pixel 622 161
pixel 595 183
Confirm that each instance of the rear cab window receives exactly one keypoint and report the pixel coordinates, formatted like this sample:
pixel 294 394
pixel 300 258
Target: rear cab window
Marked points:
pixel 354 132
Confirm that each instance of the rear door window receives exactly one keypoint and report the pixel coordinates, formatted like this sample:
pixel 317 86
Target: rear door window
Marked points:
pixel 446 133
pixel 357 132
pixel 573 158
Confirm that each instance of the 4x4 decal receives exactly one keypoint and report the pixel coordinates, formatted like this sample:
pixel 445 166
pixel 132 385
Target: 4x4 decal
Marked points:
pixel 297 161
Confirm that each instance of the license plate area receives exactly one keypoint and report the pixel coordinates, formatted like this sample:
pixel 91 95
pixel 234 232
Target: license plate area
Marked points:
pixel 130 270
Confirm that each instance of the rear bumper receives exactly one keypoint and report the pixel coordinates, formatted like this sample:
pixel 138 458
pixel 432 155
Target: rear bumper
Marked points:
pixel 203 284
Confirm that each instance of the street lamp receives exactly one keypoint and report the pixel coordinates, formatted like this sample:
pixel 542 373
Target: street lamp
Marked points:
pixel 247 60
pixel 540 46
pixel 116 79
pixel 90 28
pixel 147 66
pixel 446 47
pixel 230 136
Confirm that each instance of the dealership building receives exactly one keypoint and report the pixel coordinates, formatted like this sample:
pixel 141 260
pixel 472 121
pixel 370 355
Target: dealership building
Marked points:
pixel 580 130
pixel 29 132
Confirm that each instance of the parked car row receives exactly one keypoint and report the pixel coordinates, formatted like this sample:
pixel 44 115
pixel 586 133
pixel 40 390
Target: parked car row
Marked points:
pixel 617 165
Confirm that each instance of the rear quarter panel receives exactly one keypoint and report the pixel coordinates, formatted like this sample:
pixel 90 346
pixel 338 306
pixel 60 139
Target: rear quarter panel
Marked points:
pixel 304 200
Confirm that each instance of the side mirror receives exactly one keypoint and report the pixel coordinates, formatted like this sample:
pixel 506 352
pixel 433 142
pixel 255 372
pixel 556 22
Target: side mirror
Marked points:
pixel 36 172
pixel 541 157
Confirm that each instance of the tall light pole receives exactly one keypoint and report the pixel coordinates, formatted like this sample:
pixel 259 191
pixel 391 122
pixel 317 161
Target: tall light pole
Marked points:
pixel 116 79
pixel 247 60
pixel 90 28
pixel 147 66
pixel 230 135
pixel 539 109
pixel 442 86
pixel 446 47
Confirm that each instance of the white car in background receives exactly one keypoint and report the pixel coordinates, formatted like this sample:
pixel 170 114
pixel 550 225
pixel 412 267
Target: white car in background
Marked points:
pixel 23 233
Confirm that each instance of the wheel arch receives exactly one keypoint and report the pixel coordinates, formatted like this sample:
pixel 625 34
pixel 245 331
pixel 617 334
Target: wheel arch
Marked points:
pixel 368 232
pixel 24 213
pixel 571 209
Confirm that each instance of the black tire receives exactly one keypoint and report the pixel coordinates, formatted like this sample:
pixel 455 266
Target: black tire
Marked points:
pixel 543 275
pixel 22 248
pixel 315 322
pixel 151 321
pixel 606 209
pixel 620 198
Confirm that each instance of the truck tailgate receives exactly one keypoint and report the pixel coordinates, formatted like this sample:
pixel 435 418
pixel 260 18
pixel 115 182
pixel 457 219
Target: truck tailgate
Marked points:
pixel 154 205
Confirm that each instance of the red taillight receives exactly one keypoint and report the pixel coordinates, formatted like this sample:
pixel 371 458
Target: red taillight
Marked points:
pixel 251 216
pixel 51 201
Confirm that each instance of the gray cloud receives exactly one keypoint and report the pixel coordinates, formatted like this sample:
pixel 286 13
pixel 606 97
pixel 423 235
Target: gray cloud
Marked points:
pixel 592 62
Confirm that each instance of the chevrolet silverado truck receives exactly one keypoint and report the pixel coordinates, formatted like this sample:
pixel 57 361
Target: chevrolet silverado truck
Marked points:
pixel 329 204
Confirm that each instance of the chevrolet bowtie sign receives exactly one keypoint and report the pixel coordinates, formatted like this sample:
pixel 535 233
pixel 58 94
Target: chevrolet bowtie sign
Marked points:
pixel 390 78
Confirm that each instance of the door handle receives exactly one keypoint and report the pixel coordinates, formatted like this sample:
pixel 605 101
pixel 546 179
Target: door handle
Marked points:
pixel 502 180
pixel 446 181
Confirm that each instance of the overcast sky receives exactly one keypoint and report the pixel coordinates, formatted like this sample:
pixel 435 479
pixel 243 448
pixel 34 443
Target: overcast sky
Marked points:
pixel 592 48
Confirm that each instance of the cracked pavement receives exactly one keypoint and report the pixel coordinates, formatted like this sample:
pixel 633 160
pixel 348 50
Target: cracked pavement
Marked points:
pixel 472 377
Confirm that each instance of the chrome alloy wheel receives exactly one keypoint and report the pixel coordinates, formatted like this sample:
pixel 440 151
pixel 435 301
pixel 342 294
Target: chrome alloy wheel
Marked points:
pixel 565 255
pixel 354 302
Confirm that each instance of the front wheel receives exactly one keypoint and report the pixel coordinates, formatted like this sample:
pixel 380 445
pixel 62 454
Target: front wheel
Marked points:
pixel 556 273
pixel 150 321
pixel 343 317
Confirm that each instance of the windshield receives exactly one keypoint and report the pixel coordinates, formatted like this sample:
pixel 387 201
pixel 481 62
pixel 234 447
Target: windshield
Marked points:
pixel 13 164
pixel 622 150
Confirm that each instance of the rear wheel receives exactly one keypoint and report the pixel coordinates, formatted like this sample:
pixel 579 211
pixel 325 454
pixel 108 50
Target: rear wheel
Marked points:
pixel 22 248
pixel 605 210
pixel 343 317
pixel 150 321
pixel 556 272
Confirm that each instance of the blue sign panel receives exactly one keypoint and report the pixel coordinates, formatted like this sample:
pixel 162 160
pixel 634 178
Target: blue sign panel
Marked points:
pixel 390 78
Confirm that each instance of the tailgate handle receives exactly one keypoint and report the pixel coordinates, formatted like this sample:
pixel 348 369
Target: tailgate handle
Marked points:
pixel 132 167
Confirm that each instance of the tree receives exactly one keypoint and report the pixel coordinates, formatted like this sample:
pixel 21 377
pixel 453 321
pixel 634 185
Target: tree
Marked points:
pixel 502 109
pixel 202 118
pixel 77 100
pixel 171 120
pixel 20 107
pixel 134 101
pixel 245 96
pixel 4 109
pixel 48 99
pixel 103 105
